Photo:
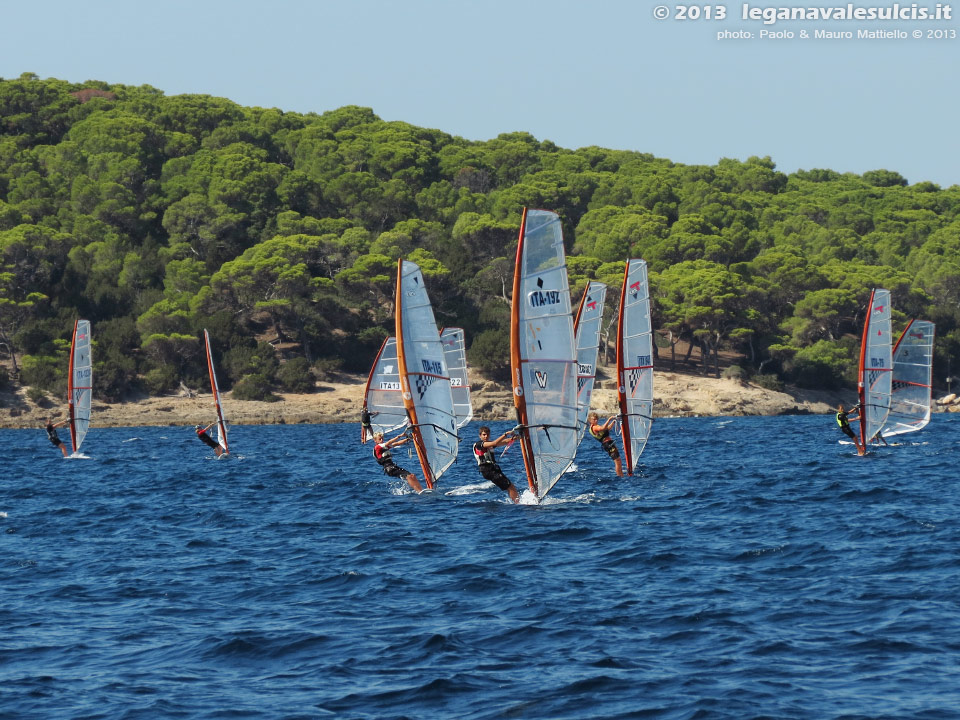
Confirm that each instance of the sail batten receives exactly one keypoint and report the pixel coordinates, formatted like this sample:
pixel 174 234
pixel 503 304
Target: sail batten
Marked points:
pixel 424 379
pixel 912 382
pixel 543 358
pixel 215 391
pixel 80 383
pixel 635 362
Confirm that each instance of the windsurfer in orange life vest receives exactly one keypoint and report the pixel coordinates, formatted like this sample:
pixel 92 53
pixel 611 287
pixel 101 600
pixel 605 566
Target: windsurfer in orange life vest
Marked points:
pixel 202 434
pixel 381 453
pixel 487 463
pixel 602 433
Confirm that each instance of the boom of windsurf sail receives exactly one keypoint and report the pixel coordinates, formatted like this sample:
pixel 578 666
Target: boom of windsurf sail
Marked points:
pixel 215 391
pixel 80 381
pixel 912 385
pixel 635 362
pixel 876 368
pixel 424 380
pixel 543 358
pixel 455 353
pixel 586 330
pixel 382 397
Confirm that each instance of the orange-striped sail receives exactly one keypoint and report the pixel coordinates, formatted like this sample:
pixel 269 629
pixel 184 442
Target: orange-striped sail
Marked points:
pixel 214 388
pixel 543 358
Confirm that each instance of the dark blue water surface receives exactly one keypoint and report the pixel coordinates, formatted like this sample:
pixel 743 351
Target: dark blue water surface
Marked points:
pixel 754 568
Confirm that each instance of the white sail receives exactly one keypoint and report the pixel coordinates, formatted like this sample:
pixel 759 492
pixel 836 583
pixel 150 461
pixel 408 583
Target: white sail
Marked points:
pixel 635 362
pixel 543 358
pixel 215 391
pixel 876 368
pixel 80 381
pixel 424 379
pixel 912 383
pixel 382 398
pixel 586 329
pixel 455 352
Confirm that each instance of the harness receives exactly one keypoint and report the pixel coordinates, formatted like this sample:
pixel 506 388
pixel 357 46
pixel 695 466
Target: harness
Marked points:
pixel 483 457
pixel 381 454
pixel 842 420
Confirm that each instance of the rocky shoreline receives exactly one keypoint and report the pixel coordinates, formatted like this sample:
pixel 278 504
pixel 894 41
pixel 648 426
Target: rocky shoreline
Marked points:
pixel 676 395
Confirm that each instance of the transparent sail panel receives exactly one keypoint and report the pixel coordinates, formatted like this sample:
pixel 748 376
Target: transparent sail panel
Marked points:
pixel 383 399
pixel 635 363
pixel 81 383
pixel 587 332
pixel 545 344
pixel 455 353
pixel 912 380
pixel 427 381
pixel 877 371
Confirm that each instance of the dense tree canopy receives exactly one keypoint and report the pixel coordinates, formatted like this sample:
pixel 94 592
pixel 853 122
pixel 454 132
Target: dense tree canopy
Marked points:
pixel 157 216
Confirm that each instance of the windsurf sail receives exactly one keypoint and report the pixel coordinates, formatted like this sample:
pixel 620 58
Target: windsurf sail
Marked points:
pixel 912 386
pixel 586 330
pixel 455 353
pixel 543 358
pixel 215 390
pixel 382 397
pixel 876 368
pixel 80 381
pixel 635 362
pixel 424 380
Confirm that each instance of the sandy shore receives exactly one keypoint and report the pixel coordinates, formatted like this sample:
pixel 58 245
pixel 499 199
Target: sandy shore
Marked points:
pixel 333 402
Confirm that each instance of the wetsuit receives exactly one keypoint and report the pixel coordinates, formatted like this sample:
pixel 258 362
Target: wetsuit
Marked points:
pixel 381 454
pixel 202 434
pixel 845 425
pixel 52 434
pixel 488 466
pixel 606 442
pixel 365 420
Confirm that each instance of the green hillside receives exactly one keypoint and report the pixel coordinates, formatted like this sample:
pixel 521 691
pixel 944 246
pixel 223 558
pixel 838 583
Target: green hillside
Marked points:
pixel 156 216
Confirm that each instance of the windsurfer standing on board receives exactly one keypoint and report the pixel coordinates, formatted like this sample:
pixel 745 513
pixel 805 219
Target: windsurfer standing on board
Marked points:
pixel 843 420
pixel 202 434
pixel 487 464
pixel 52 434
pixel 381 453
pixel 366 429
pixel 602 433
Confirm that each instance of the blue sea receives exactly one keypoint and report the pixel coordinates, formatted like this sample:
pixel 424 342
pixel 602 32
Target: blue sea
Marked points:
pixel 754 568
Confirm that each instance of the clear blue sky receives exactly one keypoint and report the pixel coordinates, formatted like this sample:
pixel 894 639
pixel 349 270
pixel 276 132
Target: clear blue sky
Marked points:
pixel 591 72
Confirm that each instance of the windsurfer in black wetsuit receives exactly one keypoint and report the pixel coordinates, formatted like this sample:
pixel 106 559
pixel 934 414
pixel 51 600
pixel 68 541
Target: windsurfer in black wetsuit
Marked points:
pixel 366 429
pixel 843 420
pixel 52 434
pixel 207 440
pixel 381 453
pixel 602 434
pixel 487 464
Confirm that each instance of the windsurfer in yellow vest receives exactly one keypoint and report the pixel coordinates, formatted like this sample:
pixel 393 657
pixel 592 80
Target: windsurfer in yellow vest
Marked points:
pixel 207 440
pixel 602 434
pixel 487 463
pixel 381 453
pixel 843 420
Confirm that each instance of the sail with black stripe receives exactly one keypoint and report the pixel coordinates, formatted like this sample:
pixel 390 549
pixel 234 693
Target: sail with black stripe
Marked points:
pixel 635 362
pixel 543 358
